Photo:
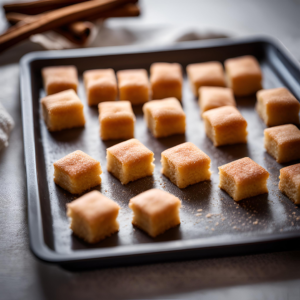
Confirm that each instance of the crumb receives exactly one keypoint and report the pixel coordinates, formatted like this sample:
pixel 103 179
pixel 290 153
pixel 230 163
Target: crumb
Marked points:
pixel 208 215
pixel 199 209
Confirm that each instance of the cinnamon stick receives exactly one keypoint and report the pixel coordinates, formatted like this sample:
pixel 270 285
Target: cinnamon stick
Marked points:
pixel 38 7
pixel 57 18
pixel 78 32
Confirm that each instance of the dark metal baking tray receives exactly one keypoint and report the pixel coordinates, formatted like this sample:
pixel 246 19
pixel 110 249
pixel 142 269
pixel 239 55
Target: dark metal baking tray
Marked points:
pixel 265 222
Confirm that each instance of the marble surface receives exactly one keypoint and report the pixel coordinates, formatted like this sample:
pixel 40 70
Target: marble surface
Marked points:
pixel 262 276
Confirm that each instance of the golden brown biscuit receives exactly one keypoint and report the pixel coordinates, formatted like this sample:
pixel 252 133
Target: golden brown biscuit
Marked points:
pixel 93 217
pixel 283 142
pixel 116 120
pixel 185 165
pixel 63 110
pixel 214 97
pixel 164 117
pixel 166 80
pixel 100 85
pixel 133 86
pixel 277 107
pixel 244 75
pixel 289 182
pixel 205 74
pixel 77 172
pixel 225 125
pixel 243 178
pixel 129 161
pixel 155 211
pixel 58 79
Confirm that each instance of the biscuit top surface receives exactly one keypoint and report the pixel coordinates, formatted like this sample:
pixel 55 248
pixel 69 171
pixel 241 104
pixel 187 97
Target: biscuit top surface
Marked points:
pixel 284 133
pixel 60 73
pixel 99 76
pixel 205 71
pixel 76 163
pixel 243 66
pixel 293 172
pixel 168 72
pixel 61 101
pixel 154 201
pixel 137 77
pixel 224 116
pixel 130 151
pixel 186 154
pixel 244 170
pixel 94 207
pixel 277 96
pixel 169 107
pixel 115 110
pixel 216 95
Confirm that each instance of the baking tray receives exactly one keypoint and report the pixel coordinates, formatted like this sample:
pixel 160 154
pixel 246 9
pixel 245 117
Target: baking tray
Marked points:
pixel 212 223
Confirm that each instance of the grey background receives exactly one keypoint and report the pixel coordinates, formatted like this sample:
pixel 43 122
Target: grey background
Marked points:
pixel 264 276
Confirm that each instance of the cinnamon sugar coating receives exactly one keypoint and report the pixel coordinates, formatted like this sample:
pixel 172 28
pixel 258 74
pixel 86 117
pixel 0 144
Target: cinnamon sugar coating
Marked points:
pixel 155 211
pixel 243 178
pixel 205 74
pixel 225 125
pixel 63 110
pixel 130 160
pixel 166 80
pixel 283 142
pixel 133 86
pixel 289 182
pixel 214 97
pixel 164 117
pixel 116 120
pixel 77 172
pixel 244 75
pixel 58 79
pixel 100 85
pixel 185 165
pixel 277 107
pixel 93 216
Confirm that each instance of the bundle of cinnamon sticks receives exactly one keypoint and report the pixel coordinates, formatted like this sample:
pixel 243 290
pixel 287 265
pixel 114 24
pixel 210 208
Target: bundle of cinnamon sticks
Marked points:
pixel 70 18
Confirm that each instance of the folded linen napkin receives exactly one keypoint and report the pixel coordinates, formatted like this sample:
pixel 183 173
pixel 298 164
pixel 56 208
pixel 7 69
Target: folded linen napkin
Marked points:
pixel 6 126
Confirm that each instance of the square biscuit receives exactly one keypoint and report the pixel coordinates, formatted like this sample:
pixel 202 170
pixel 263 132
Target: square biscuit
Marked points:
pixel 134 86
pixel 243 178
pixel 289 183
pixel 58 79
pixel 77 172
pixel 214 97
pixel 225 126
pixel 129 161
pixel 277 107
pixel 63 110
pixel 93 217
pixel 185 165
pixel 164 117
pixel 100 85
pixel 166 80
pixel 283 142
pixel 116 120
pixel 244 75
pixel 205 74
pixel 155 211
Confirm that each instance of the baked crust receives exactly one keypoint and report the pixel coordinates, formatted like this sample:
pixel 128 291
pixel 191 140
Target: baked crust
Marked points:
pixel 244 75
pixel 205 74
pixel 60 78
pixel 166 80
pixel 100 85
pixel 164 117
pixel 133 86
pixel 214 97
pixel 116 120
pixel 155 211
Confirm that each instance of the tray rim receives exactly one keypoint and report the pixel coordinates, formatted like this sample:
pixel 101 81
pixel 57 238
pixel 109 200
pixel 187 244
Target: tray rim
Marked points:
pixel 37 244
